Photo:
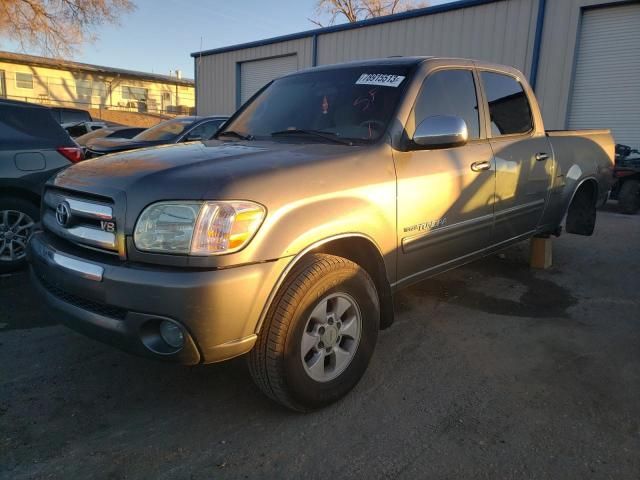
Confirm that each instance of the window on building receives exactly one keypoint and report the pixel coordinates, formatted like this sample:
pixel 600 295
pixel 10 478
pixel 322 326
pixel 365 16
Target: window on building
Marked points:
pixel 452 93
pixel 134 93
pixel 3 87
pixel 99 89
pixel 88 88
pixel 83 88
pixel 24 80
pixel 508 104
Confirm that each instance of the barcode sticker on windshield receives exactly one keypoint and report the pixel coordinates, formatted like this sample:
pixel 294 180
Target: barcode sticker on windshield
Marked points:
pixel 381 79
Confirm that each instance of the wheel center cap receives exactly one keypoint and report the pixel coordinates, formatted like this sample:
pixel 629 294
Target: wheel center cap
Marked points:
pixel 330 335
pixel 8 235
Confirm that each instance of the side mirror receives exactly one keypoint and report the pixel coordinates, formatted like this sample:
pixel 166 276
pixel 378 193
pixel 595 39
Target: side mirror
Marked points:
pixel 441 131
pixel 192 138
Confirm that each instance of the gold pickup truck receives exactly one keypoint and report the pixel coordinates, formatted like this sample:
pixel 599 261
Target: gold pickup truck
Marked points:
pixel 285 237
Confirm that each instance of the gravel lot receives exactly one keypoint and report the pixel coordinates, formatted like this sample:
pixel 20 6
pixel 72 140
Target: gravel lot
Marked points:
pixel 490 371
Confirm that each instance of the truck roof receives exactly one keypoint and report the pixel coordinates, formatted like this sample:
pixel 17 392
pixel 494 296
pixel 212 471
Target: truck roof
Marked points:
pixel 409 62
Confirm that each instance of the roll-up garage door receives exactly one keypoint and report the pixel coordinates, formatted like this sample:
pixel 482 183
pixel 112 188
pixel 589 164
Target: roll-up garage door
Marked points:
pixel 606 87
pixel 257 73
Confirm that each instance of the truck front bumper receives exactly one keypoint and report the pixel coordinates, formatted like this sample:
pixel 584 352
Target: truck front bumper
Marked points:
pixel 124 304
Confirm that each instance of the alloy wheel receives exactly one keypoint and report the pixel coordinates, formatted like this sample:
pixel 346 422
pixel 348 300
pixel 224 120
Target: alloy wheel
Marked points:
pixel 331 337
pixel 15 229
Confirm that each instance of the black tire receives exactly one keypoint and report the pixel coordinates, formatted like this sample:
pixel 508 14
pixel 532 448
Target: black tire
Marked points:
pixel 581 217
pixel 13 205
pixel 275 361
pixel 629 197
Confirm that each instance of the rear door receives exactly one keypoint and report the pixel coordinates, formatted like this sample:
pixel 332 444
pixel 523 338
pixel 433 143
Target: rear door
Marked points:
pixel 445 209
pixel 522 156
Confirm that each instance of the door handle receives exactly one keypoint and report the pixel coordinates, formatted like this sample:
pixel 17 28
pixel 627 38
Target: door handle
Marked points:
pixel 480 166
pixel 542 156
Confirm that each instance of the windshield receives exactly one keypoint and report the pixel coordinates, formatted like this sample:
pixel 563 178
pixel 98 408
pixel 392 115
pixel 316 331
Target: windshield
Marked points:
pixel 350 103
pixel 166 130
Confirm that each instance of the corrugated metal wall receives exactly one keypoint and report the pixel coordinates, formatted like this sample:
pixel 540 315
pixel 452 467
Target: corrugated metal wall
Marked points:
pixel 469 32
pixel 500 32
pixel 216 74
pixel 473 32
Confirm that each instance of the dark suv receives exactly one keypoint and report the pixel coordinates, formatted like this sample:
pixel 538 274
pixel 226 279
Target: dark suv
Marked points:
pixel 33 146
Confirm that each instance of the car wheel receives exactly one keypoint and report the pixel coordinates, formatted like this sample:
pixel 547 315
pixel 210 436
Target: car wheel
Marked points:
pixel 629 197
pixel 319 334
pixel 17 220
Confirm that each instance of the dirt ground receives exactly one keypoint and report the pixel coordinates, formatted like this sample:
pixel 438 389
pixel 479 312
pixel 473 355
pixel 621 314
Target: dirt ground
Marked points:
pixel 490 371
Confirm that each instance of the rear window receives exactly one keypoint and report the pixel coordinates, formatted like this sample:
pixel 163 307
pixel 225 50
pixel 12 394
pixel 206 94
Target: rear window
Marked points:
pixel 508 104
pixel 125 133
pixel 68 116
pixel 30 128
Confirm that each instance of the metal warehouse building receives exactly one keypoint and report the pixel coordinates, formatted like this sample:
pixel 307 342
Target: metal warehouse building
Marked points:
pixel 581 56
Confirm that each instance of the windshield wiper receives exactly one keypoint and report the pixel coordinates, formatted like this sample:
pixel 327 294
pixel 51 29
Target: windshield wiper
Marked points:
pixel 232 133
pixel 314 133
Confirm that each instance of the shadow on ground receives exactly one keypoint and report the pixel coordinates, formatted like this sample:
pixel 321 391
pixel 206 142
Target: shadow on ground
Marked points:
pixel 491 371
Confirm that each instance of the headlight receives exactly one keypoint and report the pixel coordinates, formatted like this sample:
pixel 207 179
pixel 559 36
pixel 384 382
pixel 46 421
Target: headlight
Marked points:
pixel 197 228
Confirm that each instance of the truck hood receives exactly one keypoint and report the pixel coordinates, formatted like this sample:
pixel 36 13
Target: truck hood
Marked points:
pixel 190 171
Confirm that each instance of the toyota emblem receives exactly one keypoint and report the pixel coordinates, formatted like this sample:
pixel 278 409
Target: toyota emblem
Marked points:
pixel 63 214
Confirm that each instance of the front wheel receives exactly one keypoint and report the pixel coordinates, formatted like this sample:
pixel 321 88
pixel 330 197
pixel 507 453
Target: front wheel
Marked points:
pixel 17 220
pixel 319 334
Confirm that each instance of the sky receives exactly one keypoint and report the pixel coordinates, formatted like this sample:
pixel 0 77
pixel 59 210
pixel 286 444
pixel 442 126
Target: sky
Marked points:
pixel 160 35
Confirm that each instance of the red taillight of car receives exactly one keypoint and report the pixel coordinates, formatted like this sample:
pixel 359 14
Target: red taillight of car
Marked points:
pixel 623 173
pixel 73 154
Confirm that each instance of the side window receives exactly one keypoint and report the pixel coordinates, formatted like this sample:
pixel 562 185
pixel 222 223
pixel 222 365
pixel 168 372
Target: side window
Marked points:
pixel 508 104
pixel 449 92
pixel 204 131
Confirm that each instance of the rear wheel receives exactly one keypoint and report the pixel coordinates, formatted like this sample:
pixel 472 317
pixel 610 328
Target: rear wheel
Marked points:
pixel 17 219
pixel 319 334
pixel 629 197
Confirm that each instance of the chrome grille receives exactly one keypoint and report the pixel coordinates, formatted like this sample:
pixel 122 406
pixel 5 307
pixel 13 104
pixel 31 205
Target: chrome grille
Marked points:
pixel 84 221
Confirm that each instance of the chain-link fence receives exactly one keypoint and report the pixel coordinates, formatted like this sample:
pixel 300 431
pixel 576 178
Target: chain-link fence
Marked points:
pixel 88 92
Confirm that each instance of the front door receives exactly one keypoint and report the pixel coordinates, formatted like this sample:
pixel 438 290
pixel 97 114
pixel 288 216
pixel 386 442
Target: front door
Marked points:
pixel 445 203
pixel 523 159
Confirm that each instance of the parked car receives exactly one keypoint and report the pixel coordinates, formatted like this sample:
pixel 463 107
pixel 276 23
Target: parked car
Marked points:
pixel 70 115
pixel 109 132
pixel 182 129
pixel 626 189
pixel 76 121
pixel 82 128
pixel 286 236
pixel 32 147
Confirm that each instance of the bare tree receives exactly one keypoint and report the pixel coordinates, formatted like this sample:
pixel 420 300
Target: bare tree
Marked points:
pixel 354 10
pixel 57 27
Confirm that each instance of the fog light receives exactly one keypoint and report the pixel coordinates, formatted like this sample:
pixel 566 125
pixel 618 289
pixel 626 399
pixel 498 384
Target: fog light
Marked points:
pixel 172 334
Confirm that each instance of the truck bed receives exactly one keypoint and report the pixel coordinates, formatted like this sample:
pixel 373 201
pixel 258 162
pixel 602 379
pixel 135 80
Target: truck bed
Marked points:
pixel 577 133
pixel 582 153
